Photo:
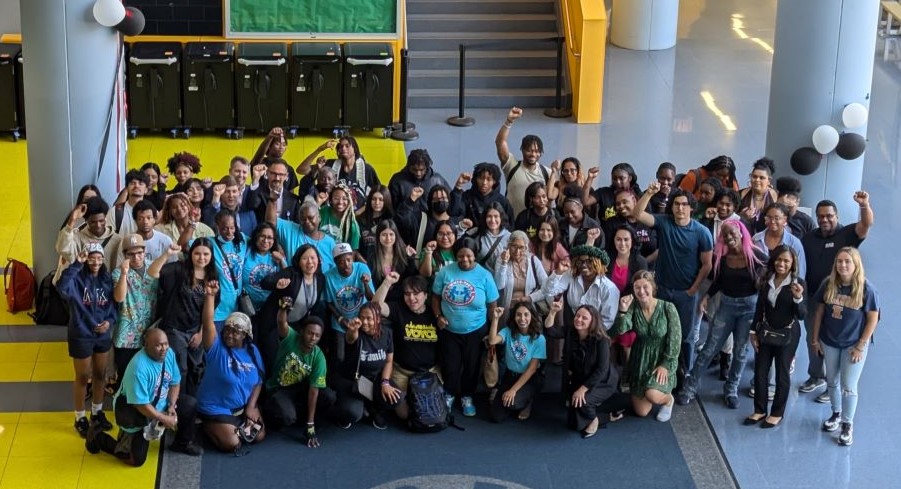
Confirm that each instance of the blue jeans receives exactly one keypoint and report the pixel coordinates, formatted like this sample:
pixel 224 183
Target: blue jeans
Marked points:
pixel 841 379
pixel 687 306
pixel 734 317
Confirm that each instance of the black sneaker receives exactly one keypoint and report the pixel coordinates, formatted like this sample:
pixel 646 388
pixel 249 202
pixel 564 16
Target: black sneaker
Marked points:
pixel 100 420
pixel 90 443
pixel 189 448
pixel 378 421
pixel 832 423
pixel 82 425
pixel 846 437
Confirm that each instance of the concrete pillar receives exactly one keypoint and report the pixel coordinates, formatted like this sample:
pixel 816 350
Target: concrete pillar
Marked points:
pixel 72 101
pixel 823 60
pixel 644 25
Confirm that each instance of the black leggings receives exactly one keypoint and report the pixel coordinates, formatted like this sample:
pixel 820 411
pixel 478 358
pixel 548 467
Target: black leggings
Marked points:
pixel 523 398
pixel 461 356
pixel 132 448
pixel 783 356
pixel 283 405
pixel 349 405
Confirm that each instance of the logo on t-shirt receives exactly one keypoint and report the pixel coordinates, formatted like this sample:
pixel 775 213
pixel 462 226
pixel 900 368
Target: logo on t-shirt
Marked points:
pixel 349 298
pixel 293 371
pixel 519 350
pixel 420 332
pixel 839 304
pixel 459 293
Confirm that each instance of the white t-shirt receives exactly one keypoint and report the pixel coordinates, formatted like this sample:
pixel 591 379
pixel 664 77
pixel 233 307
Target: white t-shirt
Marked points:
pixel 154 247
pixel 516 186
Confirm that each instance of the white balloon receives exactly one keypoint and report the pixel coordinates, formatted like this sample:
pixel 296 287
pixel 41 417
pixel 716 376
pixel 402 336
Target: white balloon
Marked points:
pixel 825 139
pixel 854 115
pixel 109 12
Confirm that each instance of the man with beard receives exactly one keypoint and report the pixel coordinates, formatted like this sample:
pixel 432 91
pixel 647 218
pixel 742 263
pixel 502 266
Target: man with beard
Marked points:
pixel 417 174
pixel 520 174
pixel 274 188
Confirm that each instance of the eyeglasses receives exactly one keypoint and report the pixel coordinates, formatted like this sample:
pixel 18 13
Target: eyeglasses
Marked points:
pixel 231 329
pixel 131 254
pixel 445 235
pixel 279 175
pixel 517 247
pixel 267 238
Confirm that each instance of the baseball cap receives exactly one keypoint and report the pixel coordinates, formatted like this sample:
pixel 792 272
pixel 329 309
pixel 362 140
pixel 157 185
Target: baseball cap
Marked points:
pixel 94 248
pixel 340 249
pixel 132 241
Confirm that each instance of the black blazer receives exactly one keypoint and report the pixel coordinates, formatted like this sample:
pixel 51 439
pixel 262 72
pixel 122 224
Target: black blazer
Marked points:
pixel 786 310
pixel 581 234
pixel 259 199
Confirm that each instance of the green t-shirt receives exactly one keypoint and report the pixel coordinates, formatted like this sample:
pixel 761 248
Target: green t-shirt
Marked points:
pixel 331 225
pixel 293 366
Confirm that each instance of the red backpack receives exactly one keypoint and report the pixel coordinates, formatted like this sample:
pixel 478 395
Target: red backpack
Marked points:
pixel 20 286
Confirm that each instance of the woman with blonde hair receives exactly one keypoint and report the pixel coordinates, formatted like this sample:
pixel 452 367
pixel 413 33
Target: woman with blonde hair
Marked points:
pixel 176 222
pixel 843 335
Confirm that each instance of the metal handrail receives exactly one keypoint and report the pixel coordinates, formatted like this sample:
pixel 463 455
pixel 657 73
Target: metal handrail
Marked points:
pixel 568 25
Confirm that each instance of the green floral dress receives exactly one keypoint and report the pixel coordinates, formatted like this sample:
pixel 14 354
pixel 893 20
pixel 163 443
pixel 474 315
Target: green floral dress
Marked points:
pixel 657 344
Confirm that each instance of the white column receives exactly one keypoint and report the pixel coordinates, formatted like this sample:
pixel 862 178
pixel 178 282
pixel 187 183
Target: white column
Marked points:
pixel 644 24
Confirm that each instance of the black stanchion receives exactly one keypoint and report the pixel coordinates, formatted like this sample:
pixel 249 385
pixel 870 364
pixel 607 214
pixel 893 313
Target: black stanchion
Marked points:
pixel 460 120
pixel 559 112
pixel 406 132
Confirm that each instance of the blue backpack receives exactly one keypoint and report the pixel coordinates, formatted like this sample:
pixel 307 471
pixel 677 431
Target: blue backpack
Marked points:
pixel 428 407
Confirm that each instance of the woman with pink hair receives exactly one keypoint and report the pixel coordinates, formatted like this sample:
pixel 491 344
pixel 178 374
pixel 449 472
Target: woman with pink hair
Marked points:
pixel 737 263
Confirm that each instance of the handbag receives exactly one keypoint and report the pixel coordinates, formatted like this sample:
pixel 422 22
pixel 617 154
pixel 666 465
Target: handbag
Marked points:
pixel 363 385
pixel 489 369
pixel 774 336
pixel 128 416
pixel 541 306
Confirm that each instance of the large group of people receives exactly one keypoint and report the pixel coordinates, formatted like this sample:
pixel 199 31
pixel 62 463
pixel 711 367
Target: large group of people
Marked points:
pixel 280 295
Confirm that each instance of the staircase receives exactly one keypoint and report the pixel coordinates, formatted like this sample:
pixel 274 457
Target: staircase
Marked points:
pixel 518 68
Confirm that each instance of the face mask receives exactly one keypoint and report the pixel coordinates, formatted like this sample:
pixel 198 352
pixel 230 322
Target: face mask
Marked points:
pixel 440 207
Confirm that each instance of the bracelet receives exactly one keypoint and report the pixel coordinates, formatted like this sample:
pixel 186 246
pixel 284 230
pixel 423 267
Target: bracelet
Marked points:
pixel 386 382
pixel 311 423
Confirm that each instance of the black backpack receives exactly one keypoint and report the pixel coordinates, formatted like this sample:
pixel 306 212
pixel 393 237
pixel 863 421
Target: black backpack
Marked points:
pixel 428 407
pixel 49 306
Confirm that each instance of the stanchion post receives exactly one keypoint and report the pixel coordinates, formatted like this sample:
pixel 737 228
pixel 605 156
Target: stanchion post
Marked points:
pixel 406 132
pixel 460 120
pixel 559 112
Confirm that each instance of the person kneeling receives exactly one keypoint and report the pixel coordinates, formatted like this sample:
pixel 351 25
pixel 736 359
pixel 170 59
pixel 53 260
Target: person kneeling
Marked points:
pixel 524 348
pixel 147 404
pixel 232 380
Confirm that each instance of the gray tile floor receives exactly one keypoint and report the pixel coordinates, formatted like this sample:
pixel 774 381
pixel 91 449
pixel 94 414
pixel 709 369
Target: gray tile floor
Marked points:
pixel 653 112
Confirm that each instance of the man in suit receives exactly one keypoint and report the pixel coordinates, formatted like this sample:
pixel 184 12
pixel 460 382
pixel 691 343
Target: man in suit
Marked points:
pixel 276 178
pixel 225 196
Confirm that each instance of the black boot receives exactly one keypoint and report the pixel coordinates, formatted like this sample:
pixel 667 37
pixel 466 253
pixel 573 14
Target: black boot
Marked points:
pixel 725 363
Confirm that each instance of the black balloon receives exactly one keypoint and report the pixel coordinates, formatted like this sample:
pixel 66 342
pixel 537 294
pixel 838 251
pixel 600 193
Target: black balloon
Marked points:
pixel 850 146
pixel 133 23
pixel 805 161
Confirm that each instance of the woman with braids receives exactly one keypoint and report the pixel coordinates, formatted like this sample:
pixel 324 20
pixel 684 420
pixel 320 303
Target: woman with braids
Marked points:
pixel 652 365
pixel 227 399
pixel 183 166
pixel 758 195
pixel 721 167
pixel 571 174
pixel 524 351
pixel 182 288
pixel 229 253
pixel 737 265
pixel 337 219
pixel 846 317
pixel 584 281
pixel 176 222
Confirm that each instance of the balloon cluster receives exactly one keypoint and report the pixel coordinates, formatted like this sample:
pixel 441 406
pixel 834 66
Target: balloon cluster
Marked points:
pixel 847 145
pixel 111 13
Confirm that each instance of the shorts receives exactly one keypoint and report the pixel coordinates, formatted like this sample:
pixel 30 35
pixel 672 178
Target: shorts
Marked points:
pixel 81 348
pixel 400 376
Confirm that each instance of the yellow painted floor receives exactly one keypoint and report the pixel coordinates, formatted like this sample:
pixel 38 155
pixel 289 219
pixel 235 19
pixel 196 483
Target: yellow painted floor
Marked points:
pixel 35 362
pixel 42 451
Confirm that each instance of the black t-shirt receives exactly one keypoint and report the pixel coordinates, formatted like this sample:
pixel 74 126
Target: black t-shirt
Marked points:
pixel 820 251
pixel 647 237
pixel 417 337
pixel 374 353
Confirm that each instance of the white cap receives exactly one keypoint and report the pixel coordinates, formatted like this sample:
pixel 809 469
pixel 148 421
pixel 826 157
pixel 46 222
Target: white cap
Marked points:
pixel 341 249
pixel 94 248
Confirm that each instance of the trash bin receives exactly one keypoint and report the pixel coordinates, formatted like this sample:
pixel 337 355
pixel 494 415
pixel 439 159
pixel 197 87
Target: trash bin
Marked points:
pixel 10 69
pixel 261 78
pixel 208 86
pixel 368 85
pixel 154 87
pixel 316 86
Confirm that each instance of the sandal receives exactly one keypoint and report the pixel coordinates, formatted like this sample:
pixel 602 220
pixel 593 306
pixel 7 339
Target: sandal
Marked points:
pixel 617 415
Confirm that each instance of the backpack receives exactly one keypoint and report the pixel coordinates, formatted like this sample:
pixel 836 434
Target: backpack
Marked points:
pixel 677 183
pixel 19 284
pixel 518 164
pixel 49 307
pixel 428 407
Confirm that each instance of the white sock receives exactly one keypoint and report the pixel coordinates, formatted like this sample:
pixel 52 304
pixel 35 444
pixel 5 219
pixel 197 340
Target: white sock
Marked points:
pixel 79 415
pixel 96 408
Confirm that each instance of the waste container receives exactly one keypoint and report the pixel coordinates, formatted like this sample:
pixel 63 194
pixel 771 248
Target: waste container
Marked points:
pixel 316 86
pixel 208 86
pixel 368 85
pixel 261 80
pixel 9 89
pixel 154 87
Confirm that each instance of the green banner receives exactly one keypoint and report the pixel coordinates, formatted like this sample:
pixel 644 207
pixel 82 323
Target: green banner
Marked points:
pixel 312 16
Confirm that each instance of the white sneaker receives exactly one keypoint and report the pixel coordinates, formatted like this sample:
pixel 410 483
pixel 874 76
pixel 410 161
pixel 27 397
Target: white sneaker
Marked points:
pixel 666 411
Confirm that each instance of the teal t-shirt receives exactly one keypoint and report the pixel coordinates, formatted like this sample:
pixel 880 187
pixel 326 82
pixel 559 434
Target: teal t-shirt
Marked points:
pixel 292 237
pixel 465 296
pixel 521 349
pixel 346 293
pixel 142 379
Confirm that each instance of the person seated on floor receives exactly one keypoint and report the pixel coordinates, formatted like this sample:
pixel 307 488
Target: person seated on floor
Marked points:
pixel 156 243
pixel 148 403
pixel 348 287
pixel 135 292
pixel 524 351
pixel 415 332
pixel 120 215
pixel 418 173
pixel 227 195
pixel 472 203
pixel 363 381
pixel 227 399
pixel 591 383
pixel 73 239
pixel 86 287
pixel 297 383
pixel 177 223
